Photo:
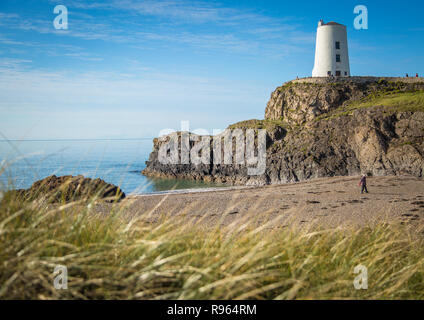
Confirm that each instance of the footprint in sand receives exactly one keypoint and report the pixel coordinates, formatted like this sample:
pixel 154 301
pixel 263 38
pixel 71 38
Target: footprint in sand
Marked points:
pixel 355 201
pixel 418 203
pixel 410 216
pixel 312 202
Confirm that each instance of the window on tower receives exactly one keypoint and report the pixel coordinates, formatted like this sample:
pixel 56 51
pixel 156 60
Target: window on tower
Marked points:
pixel 338 73
pixel 338 59
pixel 338 45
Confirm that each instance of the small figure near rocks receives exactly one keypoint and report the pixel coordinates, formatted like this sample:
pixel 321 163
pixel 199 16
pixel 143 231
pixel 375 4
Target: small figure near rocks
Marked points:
pixel 363 184
pixel 416 76
pixel 407 75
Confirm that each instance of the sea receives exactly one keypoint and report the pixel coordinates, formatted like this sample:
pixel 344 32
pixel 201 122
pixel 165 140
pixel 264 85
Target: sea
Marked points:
pixel 118 162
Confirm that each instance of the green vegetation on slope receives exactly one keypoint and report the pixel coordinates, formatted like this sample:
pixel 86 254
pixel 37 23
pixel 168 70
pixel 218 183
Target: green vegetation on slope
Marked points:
pixel 393 101
pixel 269 125
pixel 114 257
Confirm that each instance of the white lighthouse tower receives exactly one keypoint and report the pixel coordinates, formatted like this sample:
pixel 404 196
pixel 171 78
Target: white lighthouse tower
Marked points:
pixel 331 53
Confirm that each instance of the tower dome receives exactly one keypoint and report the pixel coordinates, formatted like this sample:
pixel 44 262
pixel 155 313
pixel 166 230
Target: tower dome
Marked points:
pixel 331 52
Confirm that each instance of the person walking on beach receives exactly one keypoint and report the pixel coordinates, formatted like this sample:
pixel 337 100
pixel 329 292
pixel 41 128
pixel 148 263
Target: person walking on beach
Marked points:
pixel 363 184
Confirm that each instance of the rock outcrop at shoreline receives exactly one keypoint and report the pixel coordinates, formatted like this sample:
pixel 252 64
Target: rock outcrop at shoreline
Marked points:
pixel 69 188
pixel 323 127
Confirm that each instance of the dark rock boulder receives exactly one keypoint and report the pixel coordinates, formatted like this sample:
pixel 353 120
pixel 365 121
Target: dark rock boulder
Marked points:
pixel 70 188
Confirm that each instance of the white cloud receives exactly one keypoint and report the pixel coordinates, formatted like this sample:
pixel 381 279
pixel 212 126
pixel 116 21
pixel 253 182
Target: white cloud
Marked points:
pixel 144 96
pixel 12 63
pixel 193 11
pixel 229 30
pixel 92 102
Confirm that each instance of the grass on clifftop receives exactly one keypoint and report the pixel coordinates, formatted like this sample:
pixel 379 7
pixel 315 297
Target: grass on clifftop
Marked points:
pixel 110 257
pixel 266 124
pixel 392 101
pixel 398 101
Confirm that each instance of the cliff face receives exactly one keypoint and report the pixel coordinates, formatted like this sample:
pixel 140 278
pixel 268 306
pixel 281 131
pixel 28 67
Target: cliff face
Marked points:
pixel 367 141
pixel 322 127
pixel 300 101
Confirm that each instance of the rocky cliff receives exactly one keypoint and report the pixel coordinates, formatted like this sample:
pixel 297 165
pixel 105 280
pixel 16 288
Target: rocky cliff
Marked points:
pixel 321 127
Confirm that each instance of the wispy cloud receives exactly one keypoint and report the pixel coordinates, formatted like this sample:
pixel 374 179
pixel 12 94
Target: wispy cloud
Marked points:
pixel 8 41
pixel 186 11
pixel 109 90
pixel 105 103
pixel 8 16
pixel 231 30
pixel 136 89
pixel 12 63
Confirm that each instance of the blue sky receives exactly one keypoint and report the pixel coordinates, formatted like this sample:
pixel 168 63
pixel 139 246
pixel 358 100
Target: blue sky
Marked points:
pixel 129 68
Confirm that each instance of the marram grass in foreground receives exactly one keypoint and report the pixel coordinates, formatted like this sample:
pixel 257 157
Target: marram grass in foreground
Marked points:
pixel 116 258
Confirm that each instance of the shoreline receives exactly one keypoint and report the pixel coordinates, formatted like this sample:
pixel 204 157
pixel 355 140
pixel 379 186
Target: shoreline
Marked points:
pixel 234 187
pixel 190 191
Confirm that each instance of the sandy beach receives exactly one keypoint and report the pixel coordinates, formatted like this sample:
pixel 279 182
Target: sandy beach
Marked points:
pixel 328 202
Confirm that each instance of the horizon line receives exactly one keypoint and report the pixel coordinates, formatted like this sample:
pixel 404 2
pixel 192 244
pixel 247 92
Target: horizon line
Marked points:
pixel 73 139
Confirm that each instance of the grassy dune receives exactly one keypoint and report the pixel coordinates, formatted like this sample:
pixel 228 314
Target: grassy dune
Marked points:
pixel 114 257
